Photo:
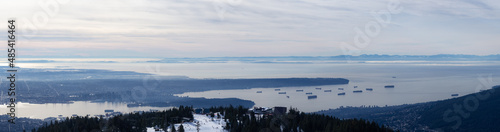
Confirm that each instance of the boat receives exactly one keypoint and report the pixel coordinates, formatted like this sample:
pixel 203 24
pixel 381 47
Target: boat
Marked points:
pixel 341 88
pixel 355 86
pixel 318 88
pixel 312 97
pixel 282 93
pixel 277 89
pixel 453 95
pixel 341 94
pixel 328 90
pixel 309 93
pixel 287 96
pixel 369 89
pixel 259 91
pixel 389 86
pixel 299 90
pixel 357 91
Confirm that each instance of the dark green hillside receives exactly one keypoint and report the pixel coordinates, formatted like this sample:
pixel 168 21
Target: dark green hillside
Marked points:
pixel 480 112
pixel 473 112
pixel 238 119
pixel 133 122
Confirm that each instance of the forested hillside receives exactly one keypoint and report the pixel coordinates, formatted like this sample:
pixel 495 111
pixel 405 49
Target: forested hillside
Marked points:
pixel 238 119
pixel 473 112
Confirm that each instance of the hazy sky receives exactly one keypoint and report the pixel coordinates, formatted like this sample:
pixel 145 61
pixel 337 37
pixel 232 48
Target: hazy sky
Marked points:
pixel 201 28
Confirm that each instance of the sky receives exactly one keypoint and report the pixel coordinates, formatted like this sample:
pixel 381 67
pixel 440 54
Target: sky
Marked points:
pixel 219 28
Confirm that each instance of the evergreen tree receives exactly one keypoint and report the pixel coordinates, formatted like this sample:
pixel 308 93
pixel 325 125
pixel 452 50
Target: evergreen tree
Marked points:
pixel 238 119
pixel 173 128
pixel 181 128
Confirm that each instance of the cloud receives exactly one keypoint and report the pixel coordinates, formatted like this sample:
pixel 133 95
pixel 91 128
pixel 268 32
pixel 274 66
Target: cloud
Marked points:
pixel 195 28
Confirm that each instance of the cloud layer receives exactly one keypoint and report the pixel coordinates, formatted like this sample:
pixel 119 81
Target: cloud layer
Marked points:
pixel 199 28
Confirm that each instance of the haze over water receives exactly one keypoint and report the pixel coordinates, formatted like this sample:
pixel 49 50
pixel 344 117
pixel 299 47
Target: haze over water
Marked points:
pixel 415 81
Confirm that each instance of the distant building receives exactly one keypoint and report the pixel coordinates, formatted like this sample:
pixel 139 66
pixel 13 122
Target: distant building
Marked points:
pixel 261 110
pixel 279 110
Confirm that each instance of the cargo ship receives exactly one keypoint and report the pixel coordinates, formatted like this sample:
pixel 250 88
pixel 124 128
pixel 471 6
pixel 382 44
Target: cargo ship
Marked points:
pixel 357 91
pixel 389 86
pixel 312 97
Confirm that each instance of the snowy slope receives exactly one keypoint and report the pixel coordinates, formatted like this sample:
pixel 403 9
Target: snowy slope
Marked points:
pixel 206 124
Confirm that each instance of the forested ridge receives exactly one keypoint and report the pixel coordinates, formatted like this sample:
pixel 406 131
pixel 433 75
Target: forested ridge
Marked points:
pixel 238 119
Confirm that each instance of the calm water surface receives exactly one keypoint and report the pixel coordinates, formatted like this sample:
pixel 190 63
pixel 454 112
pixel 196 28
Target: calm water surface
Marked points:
pixel 415 81
pixel 81 108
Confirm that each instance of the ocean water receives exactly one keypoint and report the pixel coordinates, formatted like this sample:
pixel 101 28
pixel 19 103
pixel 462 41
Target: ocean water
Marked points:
pixel 80 108
pixel 415 81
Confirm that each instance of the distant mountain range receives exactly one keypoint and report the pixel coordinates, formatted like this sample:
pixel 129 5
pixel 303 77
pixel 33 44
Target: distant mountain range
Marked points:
pixel 332 59
pixel 288 59
pixel 473 112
